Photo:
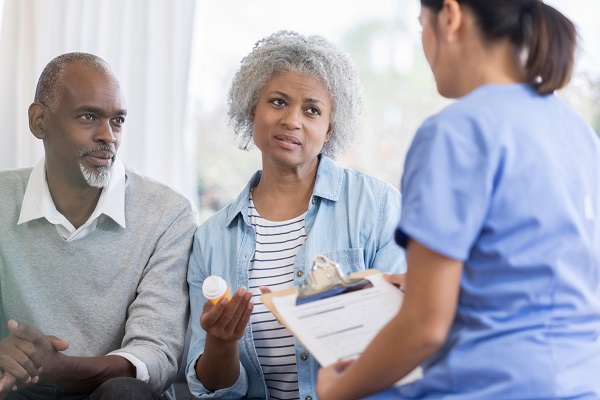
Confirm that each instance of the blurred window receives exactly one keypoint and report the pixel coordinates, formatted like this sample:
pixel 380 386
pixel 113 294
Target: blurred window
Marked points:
pixel 383 37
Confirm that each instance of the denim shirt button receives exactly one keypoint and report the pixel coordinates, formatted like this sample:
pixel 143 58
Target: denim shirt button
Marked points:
pixel 308 398
pixel 314 200
pixel 300 273
pixel 304 356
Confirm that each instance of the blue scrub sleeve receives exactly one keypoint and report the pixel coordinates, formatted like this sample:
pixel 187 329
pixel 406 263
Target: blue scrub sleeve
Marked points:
pixel 446 186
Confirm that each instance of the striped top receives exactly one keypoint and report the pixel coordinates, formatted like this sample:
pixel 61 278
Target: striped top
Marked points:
pixel 277 244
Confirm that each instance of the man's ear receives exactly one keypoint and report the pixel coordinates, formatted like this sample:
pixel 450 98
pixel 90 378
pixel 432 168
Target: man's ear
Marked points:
pixel 37 115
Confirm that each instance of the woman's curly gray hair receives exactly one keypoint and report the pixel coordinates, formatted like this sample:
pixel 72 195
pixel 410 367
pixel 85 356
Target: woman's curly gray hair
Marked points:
pixel 313 55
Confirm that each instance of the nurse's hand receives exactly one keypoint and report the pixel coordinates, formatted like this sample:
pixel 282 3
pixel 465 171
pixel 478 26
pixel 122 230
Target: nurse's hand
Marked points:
pixel 265 289
pixel 226 320
pixel 328 377
pixel 398 280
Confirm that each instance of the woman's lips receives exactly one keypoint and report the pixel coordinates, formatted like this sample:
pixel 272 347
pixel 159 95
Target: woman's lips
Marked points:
pixel 288 141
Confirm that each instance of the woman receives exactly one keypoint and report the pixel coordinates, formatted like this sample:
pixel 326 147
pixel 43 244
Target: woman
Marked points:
pixel 500 200
pixel 298 99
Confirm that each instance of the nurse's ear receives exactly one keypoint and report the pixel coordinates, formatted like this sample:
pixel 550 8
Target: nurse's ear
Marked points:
pixel 450 19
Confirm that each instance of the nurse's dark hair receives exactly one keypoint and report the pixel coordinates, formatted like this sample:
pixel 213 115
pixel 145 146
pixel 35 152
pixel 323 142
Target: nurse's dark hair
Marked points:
pixel 548 37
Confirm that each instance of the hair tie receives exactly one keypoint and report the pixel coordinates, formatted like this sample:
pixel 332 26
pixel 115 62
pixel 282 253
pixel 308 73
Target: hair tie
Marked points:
pixel 528 5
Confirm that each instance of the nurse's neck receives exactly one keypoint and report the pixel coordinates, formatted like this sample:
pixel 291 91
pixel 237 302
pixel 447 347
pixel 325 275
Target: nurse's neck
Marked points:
pixel 485 64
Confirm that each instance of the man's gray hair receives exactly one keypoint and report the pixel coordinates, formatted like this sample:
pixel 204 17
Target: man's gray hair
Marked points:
pixel 48 87
pixel 312 55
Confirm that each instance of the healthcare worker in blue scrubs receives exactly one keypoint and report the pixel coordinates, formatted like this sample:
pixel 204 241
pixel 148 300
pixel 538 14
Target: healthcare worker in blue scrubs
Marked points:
pixel 500 219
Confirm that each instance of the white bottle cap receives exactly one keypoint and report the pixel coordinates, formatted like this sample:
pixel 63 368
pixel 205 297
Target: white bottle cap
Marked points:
pixel 214 287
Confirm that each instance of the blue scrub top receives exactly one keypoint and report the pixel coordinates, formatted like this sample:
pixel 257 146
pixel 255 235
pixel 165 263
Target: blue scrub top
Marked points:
pixel 508 181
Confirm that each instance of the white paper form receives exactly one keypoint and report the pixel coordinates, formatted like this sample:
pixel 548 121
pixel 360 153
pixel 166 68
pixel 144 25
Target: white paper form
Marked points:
pixel 341 327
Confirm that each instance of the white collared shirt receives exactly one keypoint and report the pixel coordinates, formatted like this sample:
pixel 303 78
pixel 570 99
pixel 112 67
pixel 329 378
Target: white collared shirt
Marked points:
pixel 38 203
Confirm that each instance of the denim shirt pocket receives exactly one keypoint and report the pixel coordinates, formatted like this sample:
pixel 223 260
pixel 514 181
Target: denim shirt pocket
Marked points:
pixel 349 260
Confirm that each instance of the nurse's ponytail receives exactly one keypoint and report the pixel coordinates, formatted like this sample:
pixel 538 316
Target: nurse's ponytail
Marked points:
pixel 550 40
pixel 547 37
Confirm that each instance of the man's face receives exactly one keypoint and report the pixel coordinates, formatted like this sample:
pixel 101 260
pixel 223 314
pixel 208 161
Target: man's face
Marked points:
pixel 84 132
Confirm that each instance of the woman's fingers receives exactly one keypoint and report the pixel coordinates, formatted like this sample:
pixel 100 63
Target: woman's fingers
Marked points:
pixel 223 320
pixel 210 314
pixel 241 326
pixel 242 298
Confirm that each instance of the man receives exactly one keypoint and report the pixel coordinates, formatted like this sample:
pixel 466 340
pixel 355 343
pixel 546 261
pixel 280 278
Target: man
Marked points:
pixel 93 256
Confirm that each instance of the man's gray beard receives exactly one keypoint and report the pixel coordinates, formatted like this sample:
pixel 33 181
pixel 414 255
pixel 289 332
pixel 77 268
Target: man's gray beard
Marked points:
pixel 97 179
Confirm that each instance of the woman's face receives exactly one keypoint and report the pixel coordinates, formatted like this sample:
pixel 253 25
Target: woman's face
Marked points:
pixel 291 120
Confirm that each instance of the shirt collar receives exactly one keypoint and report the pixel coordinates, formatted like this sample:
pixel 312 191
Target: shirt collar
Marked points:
pixel 328 185
pixel 38 203
pixel 329 181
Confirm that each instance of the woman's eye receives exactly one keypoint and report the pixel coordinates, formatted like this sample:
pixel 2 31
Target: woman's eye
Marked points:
pixel 278 102
pixel 313 111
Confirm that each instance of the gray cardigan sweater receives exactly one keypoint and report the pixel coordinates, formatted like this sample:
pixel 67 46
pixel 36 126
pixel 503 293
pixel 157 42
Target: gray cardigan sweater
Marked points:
pixel 114 289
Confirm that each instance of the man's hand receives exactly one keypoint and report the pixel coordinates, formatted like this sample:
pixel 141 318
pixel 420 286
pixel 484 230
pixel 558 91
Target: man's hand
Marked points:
pixel 43 354
pixel 8 383
pixel 18 355
pixel 27 352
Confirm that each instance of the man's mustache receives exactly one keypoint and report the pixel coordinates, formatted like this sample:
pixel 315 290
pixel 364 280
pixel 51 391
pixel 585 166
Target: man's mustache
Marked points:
pixel 104 147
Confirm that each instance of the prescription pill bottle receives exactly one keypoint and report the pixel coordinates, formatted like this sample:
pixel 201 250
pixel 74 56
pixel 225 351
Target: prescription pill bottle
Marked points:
pixel 215 288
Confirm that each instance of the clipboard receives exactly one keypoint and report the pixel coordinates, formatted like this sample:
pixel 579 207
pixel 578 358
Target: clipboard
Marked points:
pixel 324 279
pixel 321 313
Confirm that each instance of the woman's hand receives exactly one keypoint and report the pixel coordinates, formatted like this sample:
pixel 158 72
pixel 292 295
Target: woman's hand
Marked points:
pixel 226 320
pixel 327 380
pixel 224 324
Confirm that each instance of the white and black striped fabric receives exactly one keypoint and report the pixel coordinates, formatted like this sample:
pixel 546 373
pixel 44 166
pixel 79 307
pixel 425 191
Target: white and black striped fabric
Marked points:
pixel 277 244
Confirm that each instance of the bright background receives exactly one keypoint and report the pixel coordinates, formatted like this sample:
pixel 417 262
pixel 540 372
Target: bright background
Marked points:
pixel 383 37
pixel 176 59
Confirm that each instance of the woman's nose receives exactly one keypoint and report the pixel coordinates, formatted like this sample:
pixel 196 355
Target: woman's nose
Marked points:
pixel 292 118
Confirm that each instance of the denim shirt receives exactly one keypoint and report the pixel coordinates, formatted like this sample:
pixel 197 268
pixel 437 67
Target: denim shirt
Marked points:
pixel 351 219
